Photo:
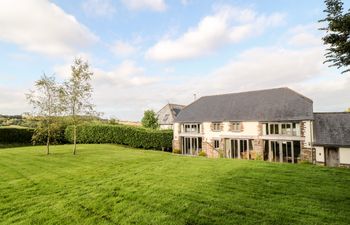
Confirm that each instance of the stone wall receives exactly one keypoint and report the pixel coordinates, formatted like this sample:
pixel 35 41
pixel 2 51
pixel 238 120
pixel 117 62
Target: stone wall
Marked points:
pixel 177 144
pixel 306 154
pixel 208 148
pixel 258 152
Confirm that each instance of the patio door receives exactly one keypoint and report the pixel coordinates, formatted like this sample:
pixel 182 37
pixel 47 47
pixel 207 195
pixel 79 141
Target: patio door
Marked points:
pixel 235 151
pixel 191 145
pixel 284 151
pixel 287 152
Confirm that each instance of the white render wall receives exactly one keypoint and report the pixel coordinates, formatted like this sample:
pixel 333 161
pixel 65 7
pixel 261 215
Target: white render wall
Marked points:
pixel 319 154
pixel 249 129
pixel 344 155
pixel 176 128
pixel 165 126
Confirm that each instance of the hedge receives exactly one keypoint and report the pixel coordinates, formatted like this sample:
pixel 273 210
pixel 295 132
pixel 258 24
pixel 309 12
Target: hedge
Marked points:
pixel 16 135
pixel 121 134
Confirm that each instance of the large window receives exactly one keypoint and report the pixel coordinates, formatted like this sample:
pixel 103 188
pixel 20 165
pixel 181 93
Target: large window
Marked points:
pixel 291 129
pixel 283 151
pixel 191 128
pixel 274 128
pixel 191 145
pixel 236 148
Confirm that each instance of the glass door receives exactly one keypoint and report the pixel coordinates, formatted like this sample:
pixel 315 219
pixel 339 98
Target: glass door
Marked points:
pixel 287 152
pixel 234 149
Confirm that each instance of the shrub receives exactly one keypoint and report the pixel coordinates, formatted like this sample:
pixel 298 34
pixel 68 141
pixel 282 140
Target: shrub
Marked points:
pixel 177 151
pixel 202 153
pixel 16 135
pixel 57 131
pixel 305 162
pixel 258 157
pixel 136 137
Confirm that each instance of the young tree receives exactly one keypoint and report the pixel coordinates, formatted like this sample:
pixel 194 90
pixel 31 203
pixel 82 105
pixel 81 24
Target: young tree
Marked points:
pixel 46 104
pixel 337 35
pixel 150 120
pixel 77 94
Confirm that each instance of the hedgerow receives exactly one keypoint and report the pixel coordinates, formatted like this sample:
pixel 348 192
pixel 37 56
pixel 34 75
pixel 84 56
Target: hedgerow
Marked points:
pixel 121 134
pixel 16 135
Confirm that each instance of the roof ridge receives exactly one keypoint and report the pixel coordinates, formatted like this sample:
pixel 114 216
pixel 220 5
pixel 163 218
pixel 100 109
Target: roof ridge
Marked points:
pixel 174 104
pixel 268 89
pixel 299 94
pixel 242 92
pixel 331 112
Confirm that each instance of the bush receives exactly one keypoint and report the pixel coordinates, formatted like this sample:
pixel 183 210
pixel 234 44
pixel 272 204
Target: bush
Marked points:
pixel 121 134
pixel 202 153
pixel 177 151
pixel 16 135
pixel 258 157
pixel 57 131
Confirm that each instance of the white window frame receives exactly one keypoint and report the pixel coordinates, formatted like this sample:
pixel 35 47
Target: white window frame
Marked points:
pixel 216 126
pixel 218 146
pixel 236 126
pixel 284 128
pixel 193 128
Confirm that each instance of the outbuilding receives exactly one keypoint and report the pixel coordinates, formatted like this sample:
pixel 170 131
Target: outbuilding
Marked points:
pixel 332 138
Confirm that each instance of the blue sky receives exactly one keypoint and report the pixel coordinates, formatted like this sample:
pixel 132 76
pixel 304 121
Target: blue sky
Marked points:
pixel 146 53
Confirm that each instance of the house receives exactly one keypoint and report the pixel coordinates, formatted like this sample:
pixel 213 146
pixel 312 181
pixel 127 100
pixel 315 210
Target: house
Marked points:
pixel 332 138
pixel 274 125
pixel 167 115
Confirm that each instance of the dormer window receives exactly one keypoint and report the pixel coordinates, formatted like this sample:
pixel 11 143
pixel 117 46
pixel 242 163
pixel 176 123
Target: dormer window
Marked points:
pixel 236 126
pixel 216 126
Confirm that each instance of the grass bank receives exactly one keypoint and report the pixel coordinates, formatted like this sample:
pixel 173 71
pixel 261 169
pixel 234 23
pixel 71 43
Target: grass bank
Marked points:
pixel 111 184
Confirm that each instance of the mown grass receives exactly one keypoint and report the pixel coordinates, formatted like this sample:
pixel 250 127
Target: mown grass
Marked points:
pixel 110 184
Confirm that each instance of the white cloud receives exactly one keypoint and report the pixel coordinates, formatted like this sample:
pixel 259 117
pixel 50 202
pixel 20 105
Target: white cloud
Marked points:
pixel 122 48
pixel 41 26
pixel 270 67
pixel 257 68
pixel 13 101
pixel 227 25
pixel 98 8
pixel 155 5
pixel 169 70
pixel 185 2
pixel 305 35
pixel 126 74
pixel 328 94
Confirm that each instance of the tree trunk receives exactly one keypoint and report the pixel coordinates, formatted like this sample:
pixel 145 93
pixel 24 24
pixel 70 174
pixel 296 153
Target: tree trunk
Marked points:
pixel 48 141
pixel 48 144
pixel 75 139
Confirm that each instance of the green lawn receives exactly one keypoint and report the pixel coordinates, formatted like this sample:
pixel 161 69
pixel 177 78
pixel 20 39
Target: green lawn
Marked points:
pixel 110 184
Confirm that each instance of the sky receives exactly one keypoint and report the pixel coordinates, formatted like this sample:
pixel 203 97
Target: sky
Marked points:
pixel 147 53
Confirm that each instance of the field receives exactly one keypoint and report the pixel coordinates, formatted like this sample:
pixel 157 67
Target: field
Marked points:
pixel 111 184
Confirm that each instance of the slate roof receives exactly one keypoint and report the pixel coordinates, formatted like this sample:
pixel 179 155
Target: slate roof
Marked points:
pixel 168 113
pixel 332 129
pixel 279 104
pixel 176 109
